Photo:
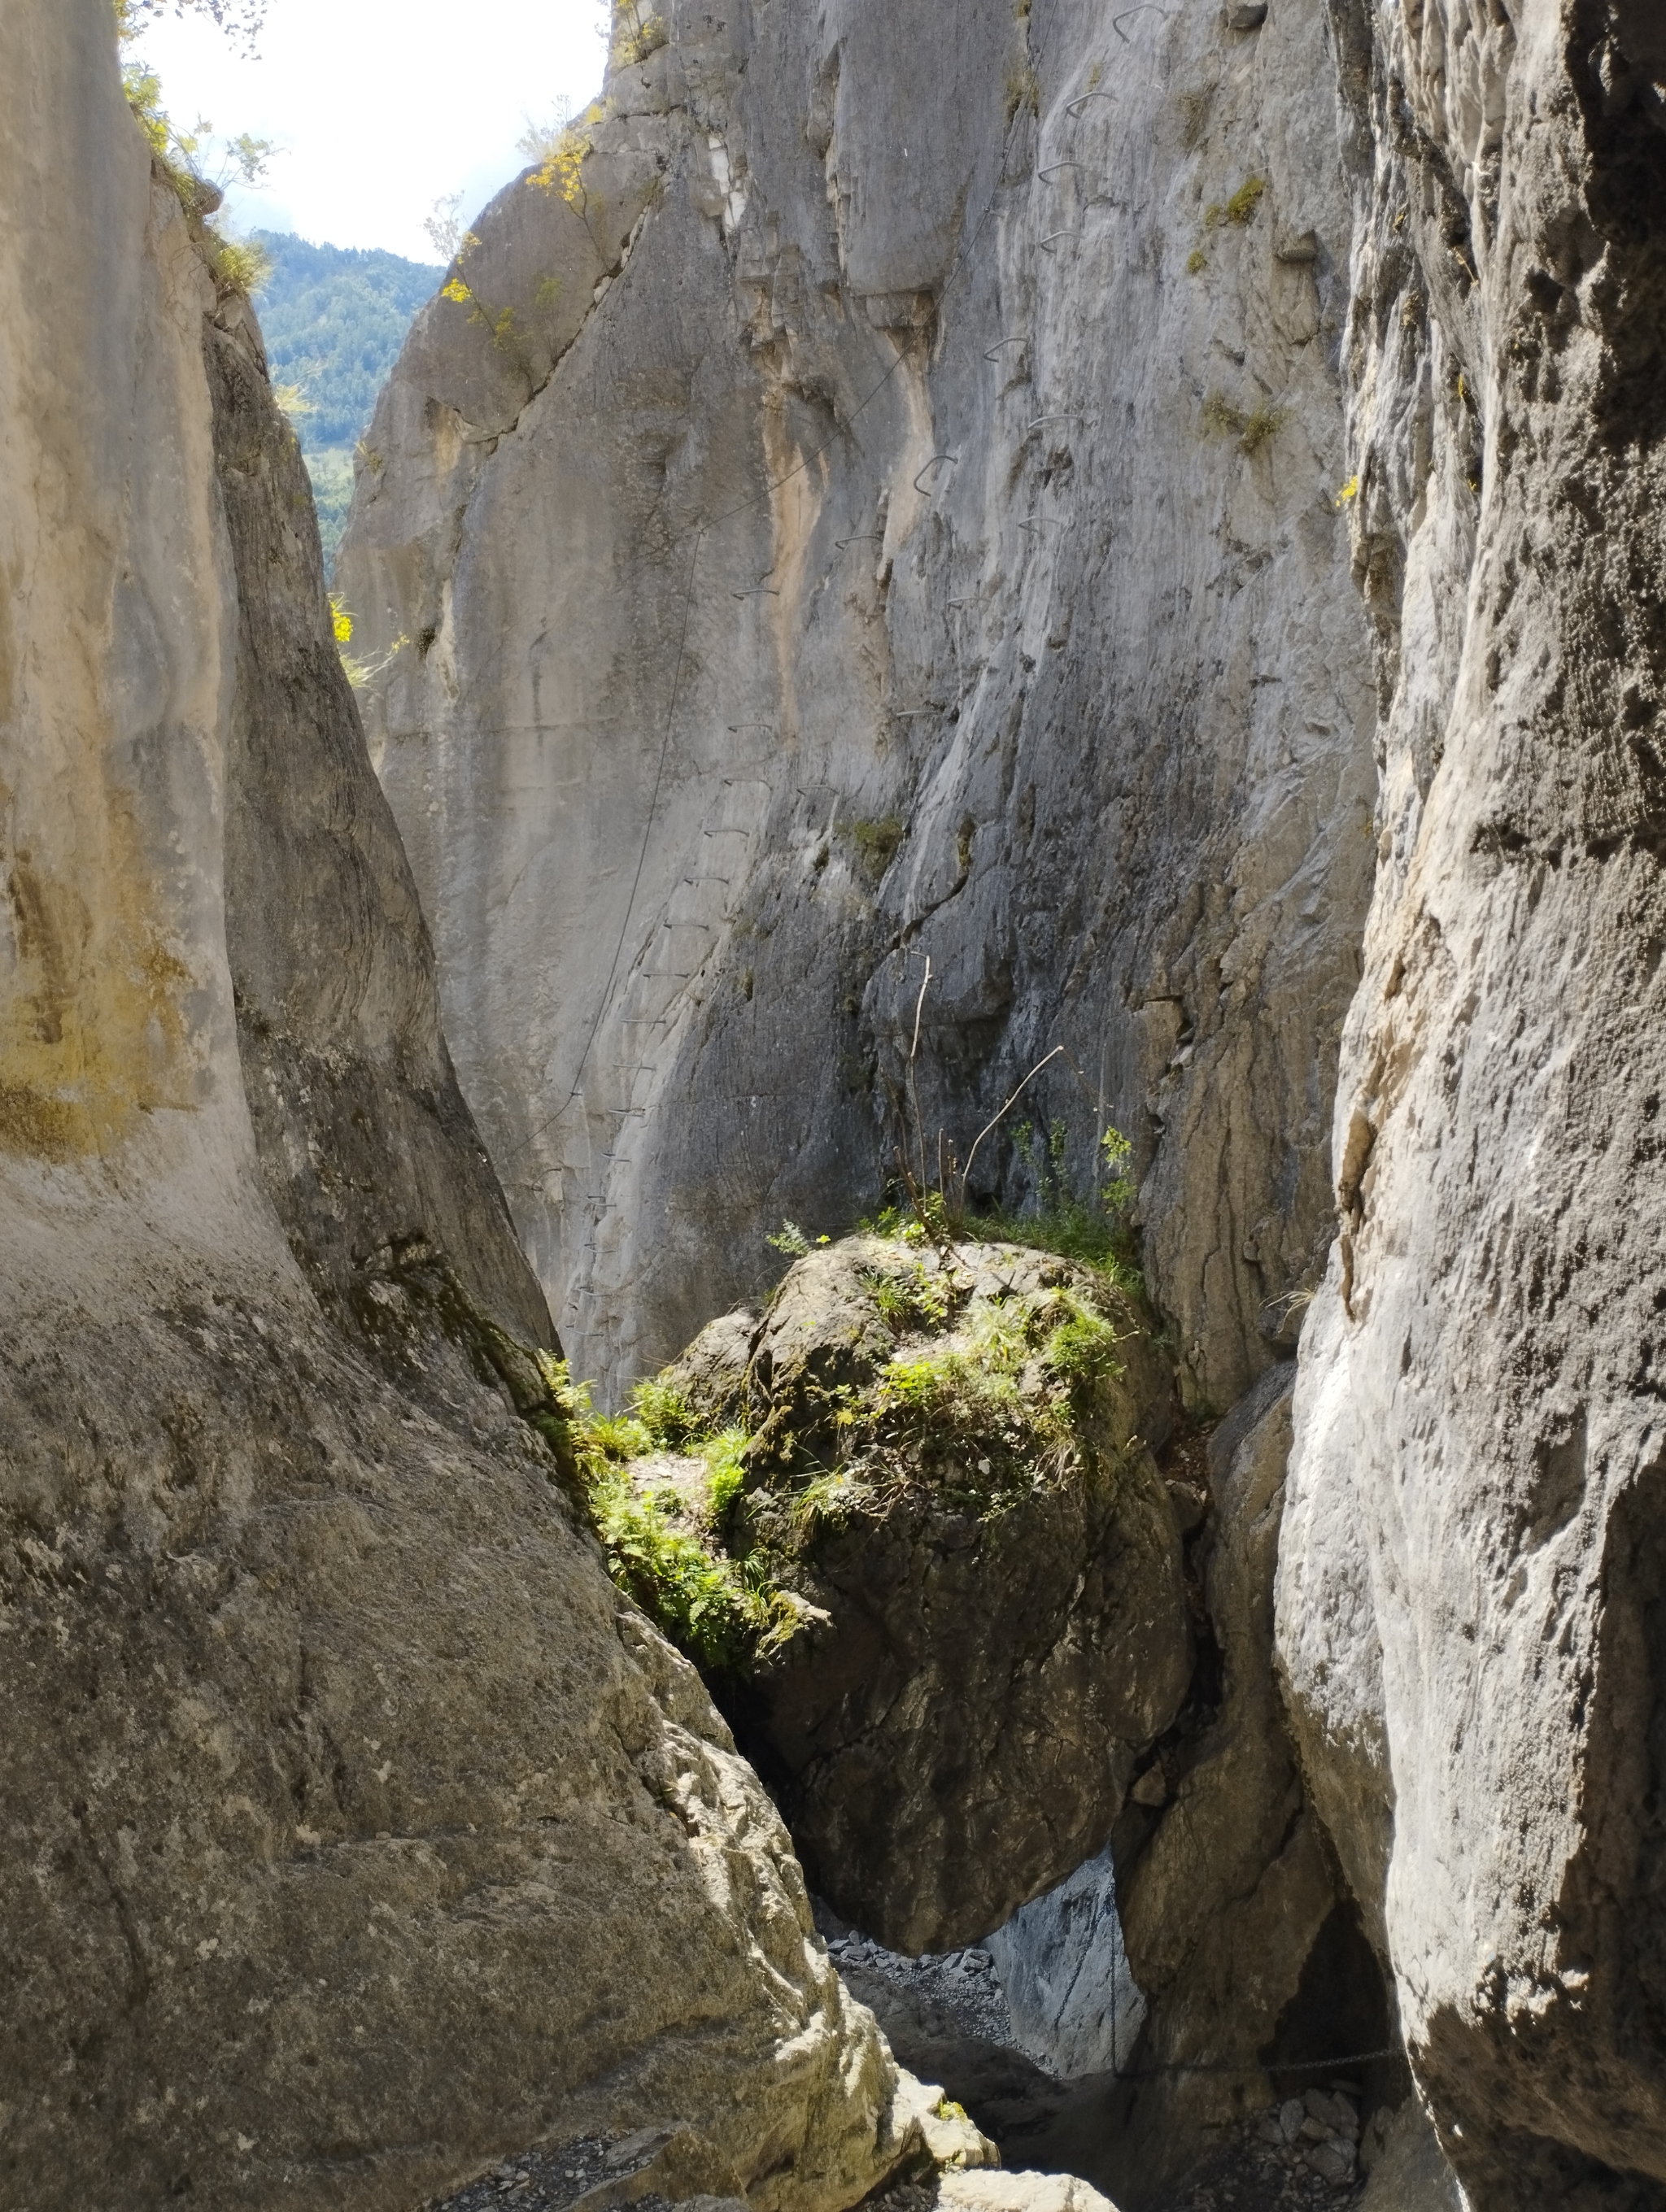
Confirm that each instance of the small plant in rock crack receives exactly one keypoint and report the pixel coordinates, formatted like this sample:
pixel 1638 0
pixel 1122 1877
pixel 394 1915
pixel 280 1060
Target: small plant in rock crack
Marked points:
pixel 794 1241
pixel 1240 209
pixel 1022 90
pixel 876 842
pixel 1252 431
pixel 917 1298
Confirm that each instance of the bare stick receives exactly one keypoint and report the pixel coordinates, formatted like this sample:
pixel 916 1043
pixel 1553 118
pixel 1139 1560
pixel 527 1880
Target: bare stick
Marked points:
pixel 966 1172
pixel 914 1084
pixel 919 1008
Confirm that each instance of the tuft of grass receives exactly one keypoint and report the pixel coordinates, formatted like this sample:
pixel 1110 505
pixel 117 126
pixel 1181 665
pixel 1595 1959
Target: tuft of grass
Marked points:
pixel 1022 90
pixel 1196 262
pixel 918 1298
pixel 1241 208
pixel 1075 1229
pixel 1262 424
pixel 238 263
pixel 877 842
pixel 1252 431
pixel 987 1411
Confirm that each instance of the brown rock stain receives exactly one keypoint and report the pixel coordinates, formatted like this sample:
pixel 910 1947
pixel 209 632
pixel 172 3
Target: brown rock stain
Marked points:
pixel 93 1031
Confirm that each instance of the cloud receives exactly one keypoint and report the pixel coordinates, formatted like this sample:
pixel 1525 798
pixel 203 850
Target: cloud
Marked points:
pixel 380 107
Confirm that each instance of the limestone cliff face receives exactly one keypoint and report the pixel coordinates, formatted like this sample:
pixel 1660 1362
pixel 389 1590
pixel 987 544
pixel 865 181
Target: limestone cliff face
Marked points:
pixel 878 506
pixel 1472 1575
pixel 355 1829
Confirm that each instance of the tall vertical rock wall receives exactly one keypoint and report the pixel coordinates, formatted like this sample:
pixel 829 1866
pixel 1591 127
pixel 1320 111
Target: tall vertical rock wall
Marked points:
pixel 355 1829
pixel 874 506
pixel 1472 1578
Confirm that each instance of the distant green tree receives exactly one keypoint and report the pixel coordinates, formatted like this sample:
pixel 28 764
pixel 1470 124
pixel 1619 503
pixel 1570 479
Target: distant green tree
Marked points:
pixel 334 319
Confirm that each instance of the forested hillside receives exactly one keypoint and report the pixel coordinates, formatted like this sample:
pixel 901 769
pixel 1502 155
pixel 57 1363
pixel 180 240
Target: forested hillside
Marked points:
pixel 334 319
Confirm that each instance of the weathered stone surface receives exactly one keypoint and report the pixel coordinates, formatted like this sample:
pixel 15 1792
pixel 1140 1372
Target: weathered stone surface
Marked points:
pixel 923 546
pixel 1020 2192
pixel 1405 2169
pixel 355 1831
pixel 1472 1569
pixel 1223 1887
pixel 1235 1941
pixel 1074 2004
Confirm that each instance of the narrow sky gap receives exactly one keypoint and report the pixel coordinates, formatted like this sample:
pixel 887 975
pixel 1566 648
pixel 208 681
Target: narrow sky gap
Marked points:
pixel 381 107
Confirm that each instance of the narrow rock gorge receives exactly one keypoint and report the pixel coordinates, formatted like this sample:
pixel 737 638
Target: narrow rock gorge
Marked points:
pixel 357 1830
pixel 1001 855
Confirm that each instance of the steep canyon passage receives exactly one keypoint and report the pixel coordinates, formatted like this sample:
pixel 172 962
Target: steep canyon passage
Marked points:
pixel 833 1244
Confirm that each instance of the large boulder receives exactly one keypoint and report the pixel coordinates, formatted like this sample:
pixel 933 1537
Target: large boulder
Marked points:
pixel 948 1472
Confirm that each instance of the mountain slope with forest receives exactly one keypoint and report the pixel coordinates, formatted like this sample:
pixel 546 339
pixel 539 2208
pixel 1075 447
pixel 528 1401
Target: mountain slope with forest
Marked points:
pixel 335 318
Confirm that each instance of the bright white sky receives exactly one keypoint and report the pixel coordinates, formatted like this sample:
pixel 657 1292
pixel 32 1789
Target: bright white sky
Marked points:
pixel 382 106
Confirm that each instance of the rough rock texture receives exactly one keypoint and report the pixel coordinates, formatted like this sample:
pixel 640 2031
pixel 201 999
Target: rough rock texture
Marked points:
pixel 355 1831
pixel 923 545
pixel 1404 2167
pixel 1473 1571
pixel 1246 1962
pixel 1075 2005
pixel 945 2020
pixel 1223 1883
pixel 993 1623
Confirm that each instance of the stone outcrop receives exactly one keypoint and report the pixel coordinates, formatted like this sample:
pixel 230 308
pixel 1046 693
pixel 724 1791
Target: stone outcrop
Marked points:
pixel 1223 1882
pixel 1074 2004
pixel 895 522
pixel 950 1469
pixel 1472 1570
pixel 356 1829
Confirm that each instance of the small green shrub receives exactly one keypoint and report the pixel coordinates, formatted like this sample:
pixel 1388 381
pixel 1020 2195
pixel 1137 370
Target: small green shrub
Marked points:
pixel 876 841
pixel 965 1393
pixel 918 1298
pixel 725 1469
pixel 1196 262
pixel 1262 425
pixel 1252 431
pixel 1081 1349
pixel 1022 90
pixel 666 1415
pixel 1241 208
pixel 239 264
pixel 827 1504
pixel 723 1613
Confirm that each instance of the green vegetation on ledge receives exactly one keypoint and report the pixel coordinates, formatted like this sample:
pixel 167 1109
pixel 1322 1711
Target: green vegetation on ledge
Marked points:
pixel 959 1383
